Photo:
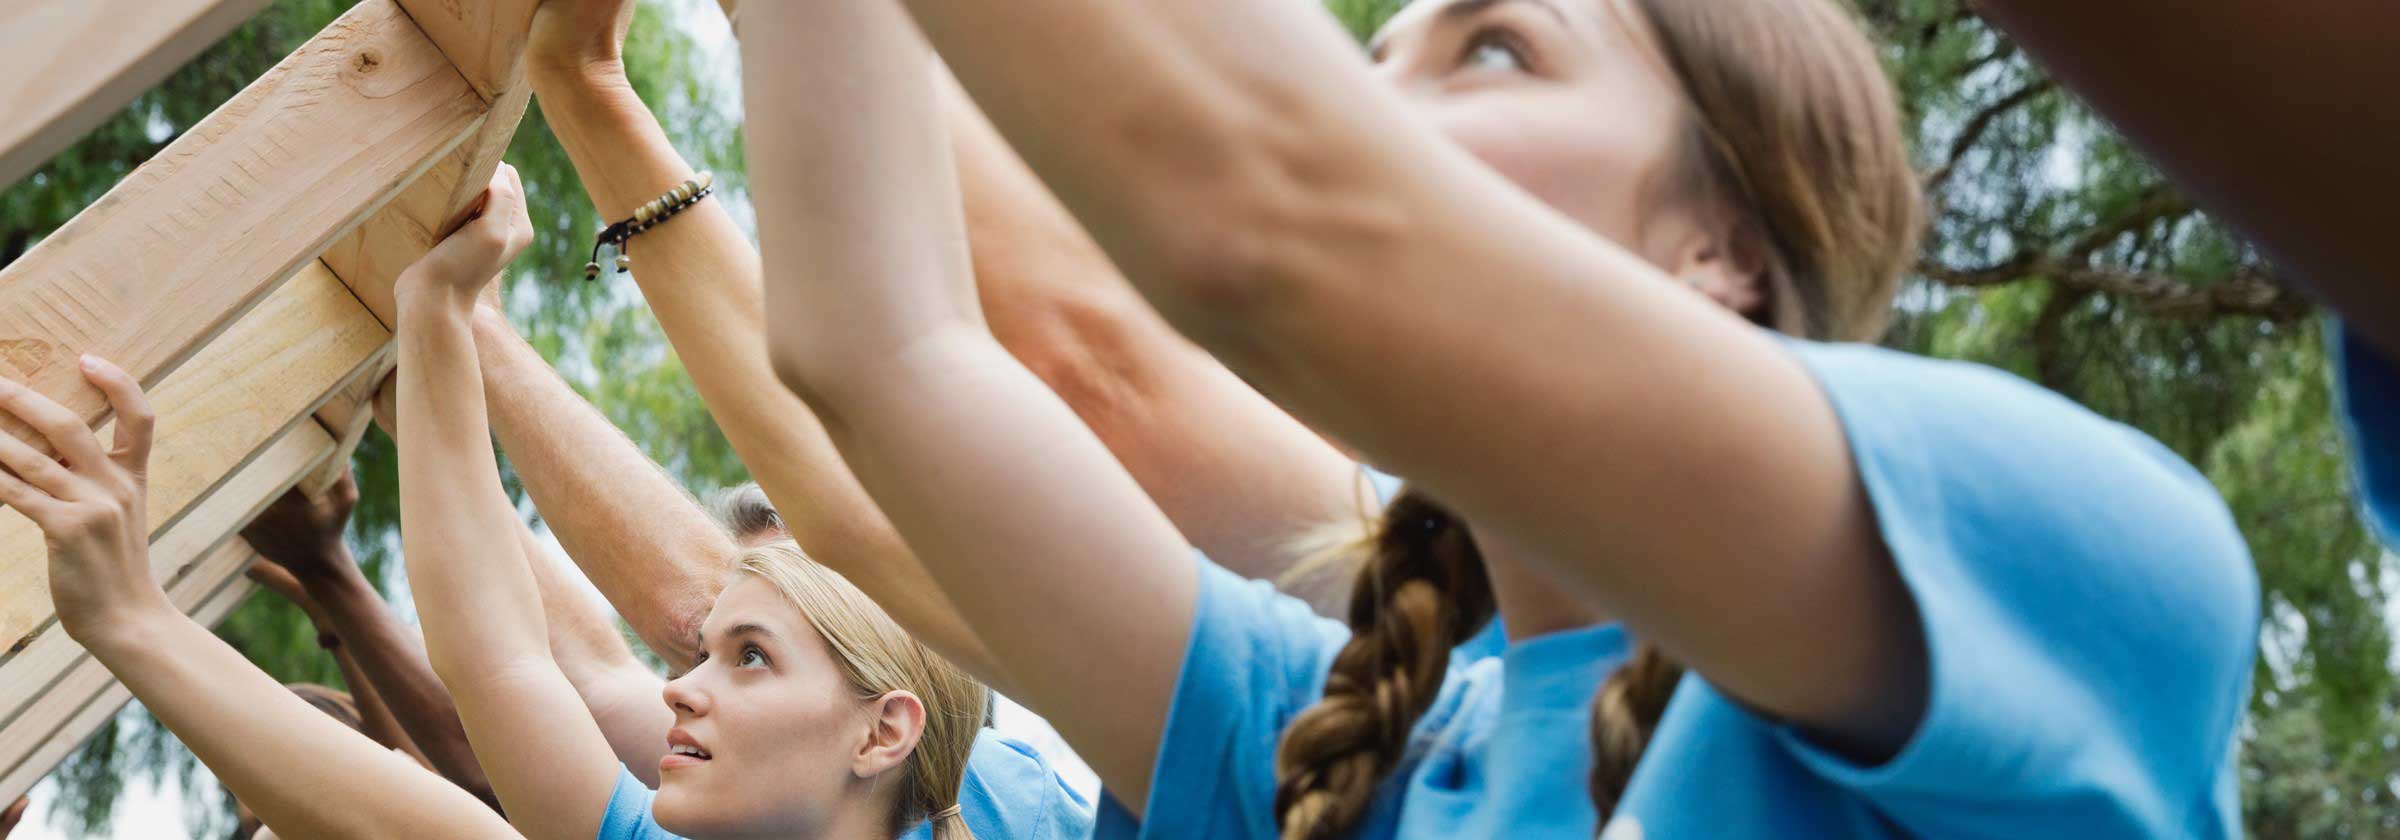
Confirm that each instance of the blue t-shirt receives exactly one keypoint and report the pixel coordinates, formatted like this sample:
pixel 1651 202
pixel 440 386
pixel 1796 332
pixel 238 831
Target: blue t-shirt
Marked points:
pixel 2370 412
pixel 1010 793
pixel 1258 657
pixel 2090 616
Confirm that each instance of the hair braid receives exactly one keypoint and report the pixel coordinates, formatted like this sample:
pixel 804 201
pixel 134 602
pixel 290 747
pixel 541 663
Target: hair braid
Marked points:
pixel 1420 592
pixel 1624 714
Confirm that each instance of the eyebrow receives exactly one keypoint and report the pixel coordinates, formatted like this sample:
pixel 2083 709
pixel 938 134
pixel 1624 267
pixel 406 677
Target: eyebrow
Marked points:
pixel 1469 8
pixel 743 629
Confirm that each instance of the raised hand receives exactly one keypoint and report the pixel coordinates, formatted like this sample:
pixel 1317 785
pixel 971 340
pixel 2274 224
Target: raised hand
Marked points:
pixel 302 533
pixel 89 501
pixel 461 265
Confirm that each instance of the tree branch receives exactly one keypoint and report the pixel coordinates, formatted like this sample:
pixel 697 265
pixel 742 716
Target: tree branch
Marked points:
pixel 2244 294
pixel 1976 126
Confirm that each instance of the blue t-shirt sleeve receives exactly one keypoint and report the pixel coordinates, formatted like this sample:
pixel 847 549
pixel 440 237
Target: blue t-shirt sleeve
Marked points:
pixel 2089 610
pixel 1012 793
pixel 628 816
pixel 2370 413
pixel 1256 658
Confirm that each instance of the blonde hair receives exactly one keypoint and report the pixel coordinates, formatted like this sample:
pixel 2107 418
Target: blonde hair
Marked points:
pixel 876 657
pixel 1792 126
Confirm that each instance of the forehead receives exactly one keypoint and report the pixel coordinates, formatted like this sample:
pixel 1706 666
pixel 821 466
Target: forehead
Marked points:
pixel 750 600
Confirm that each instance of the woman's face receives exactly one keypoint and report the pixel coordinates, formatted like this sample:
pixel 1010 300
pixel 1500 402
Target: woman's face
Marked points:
pixel 765 725
pixel 1567 98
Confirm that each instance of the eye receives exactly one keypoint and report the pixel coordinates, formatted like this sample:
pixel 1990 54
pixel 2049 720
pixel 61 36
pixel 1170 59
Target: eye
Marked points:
pixel 751 657
pixel 1494 49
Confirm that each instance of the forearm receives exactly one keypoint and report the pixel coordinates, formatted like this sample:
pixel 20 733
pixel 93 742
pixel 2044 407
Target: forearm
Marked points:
pixel 640 538
pixel 1242 480
pixel 303 773
pixel 375 718
pixel 701 277
pixel 466 570
pixel 392 661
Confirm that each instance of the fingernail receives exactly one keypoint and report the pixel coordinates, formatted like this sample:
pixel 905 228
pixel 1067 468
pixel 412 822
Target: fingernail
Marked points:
pixel 91 362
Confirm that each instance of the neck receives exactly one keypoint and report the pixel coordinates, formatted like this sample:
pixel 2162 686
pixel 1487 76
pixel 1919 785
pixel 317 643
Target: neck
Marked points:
pixel 865 814
pixel 1530 605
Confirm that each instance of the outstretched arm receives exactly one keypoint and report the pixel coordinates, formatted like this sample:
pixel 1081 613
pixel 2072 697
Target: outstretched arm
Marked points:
pixel 700 276
pixel 619 690
pixel 547 760
pixel 1556 390
pixel 299 770
pixel 2282 120
pixel 1077 584
pixel 302 536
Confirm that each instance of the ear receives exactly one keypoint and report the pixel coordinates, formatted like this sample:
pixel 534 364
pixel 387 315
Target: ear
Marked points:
pixel 894 722
pixel 1729 266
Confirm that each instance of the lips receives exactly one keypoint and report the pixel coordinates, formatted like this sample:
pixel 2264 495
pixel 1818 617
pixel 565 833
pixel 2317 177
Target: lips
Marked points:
pixel 682 751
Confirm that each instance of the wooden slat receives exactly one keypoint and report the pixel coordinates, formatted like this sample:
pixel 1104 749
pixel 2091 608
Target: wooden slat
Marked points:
pixel 246 388
pixel 72 63
pixel 486 40
pixel 188 243
pixel 87 696
pixel 347 417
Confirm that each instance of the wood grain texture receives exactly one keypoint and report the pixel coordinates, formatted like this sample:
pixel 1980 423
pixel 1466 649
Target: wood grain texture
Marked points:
pixel 267 374
pixel 195 237
pixel 484 38
pixel 72 63
pixel 346 417
pixel 85 696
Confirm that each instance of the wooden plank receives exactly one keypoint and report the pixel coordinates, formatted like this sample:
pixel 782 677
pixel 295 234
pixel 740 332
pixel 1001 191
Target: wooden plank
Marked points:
pixel 486 40
pixel 81 702
pixel 347 417
pixel 47 692
pixel 195 237
pixel 246 388
pixel 72 63
pixel 178 555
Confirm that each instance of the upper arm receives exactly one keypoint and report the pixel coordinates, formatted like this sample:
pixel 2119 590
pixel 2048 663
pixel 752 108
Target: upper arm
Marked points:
pixel 2282 122
pixel 545 756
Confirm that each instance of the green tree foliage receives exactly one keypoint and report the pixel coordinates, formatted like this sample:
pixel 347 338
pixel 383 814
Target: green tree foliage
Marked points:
pixel 2054 252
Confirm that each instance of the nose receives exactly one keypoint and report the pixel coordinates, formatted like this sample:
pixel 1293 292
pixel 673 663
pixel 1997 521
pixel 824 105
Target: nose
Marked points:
pixel 686 695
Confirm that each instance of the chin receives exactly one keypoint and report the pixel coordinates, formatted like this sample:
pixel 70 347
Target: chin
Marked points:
pixel 682 810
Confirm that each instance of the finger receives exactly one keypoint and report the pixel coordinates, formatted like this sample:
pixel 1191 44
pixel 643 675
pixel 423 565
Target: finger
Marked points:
pixel 31 467
pixel 26 498
pixel 460 219
pixel 136 422
pixel 67 434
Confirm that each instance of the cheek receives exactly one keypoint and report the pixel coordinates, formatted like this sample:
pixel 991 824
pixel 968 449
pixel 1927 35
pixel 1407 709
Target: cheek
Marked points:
pixel 1594 170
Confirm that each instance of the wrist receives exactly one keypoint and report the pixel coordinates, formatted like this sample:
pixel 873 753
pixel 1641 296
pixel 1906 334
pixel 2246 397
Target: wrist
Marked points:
pixel 139 621
pixel 417 294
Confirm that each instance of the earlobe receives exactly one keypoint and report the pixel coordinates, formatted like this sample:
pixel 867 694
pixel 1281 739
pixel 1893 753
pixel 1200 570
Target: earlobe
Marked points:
pixel 895 721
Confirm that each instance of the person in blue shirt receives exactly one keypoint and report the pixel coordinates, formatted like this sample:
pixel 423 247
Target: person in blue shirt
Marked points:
pixel 1882 638
pixel 809 711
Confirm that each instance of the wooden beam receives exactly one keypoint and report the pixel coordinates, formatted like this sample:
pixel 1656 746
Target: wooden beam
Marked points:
pixel 195 237
pixel 85 696
pixel 283 361
pixel 486 40
pixel 72 63
pixel 346 417
pixel 53 694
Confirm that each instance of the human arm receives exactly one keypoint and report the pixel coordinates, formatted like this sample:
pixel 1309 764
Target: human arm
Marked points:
pixel 2280 120
pixel 297 768
pixel 548 761
pixel 1557 391
pixel 619 690
pixel 700 276
pixel 301 535
pixel 1080 588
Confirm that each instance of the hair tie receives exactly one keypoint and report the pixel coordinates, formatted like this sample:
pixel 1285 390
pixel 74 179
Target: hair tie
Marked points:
pixel 945 813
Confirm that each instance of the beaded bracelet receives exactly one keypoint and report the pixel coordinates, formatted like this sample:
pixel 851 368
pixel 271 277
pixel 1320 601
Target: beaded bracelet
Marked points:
pixel 648 216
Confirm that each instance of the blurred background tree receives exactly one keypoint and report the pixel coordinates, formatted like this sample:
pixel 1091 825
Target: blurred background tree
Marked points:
pixel 2055 252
